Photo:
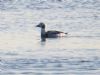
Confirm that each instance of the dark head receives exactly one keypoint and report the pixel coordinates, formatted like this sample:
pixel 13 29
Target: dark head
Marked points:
pixel 41 25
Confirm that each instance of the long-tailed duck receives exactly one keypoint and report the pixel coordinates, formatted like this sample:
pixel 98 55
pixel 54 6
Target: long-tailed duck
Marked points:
pixel 50 34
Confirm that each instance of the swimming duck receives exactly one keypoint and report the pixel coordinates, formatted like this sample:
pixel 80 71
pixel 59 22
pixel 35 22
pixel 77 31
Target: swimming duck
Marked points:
pixel 50 34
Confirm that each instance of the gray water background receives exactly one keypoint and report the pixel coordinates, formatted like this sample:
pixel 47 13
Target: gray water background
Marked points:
pixel 21 49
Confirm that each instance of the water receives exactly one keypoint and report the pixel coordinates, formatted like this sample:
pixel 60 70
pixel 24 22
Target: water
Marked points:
pixel 23 53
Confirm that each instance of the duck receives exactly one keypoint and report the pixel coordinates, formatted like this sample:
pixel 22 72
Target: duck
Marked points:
pixel 50 34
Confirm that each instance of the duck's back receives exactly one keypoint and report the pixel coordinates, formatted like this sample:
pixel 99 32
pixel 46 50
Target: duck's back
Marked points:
pixel 51 34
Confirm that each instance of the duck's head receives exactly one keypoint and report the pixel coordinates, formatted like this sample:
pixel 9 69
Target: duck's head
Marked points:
pixel 41 25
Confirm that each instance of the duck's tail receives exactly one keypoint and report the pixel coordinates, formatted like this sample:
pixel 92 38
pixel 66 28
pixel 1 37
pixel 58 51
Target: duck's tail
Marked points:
pixel 66 33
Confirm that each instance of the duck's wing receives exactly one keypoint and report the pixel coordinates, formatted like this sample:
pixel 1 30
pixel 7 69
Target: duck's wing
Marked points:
pixel 53 32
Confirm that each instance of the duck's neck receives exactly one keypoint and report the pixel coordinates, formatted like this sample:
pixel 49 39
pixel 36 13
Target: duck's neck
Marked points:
pixel 42 32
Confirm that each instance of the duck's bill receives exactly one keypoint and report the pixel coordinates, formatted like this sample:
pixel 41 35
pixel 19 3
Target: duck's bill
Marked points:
pixel 37 25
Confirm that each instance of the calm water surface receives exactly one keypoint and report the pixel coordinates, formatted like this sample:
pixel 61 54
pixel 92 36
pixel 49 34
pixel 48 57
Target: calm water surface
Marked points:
pixel 23 53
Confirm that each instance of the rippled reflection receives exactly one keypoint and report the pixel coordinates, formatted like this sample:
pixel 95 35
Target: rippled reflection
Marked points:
pixel 23 52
